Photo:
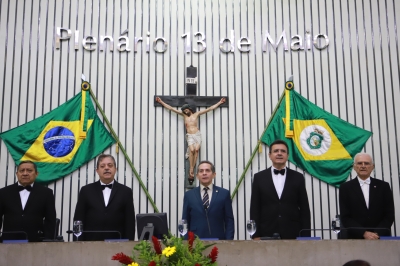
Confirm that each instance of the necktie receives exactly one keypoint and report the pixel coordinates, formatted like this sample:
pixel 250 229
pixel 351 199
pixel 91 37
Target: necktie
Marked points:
pixel 365 190
pixel 28 187
pixel 282 171
pixel 206 202
pixel 104 186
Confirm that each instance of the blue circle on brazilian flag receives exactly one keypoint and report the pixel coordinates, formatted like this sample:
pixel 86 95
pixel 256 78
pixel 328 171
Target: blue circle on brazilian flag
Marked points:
pixel 59 141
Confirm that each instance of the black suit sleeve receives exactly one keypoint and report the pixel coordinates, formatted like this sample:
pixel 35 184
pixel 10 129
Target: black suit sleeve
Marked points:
pixel 388 217
pixel 346 213
pixel 255 205
pixel 80 206
pixel 130 216
pixel 305 215
pixel 50 215
pixel 1 210
pixel 229 219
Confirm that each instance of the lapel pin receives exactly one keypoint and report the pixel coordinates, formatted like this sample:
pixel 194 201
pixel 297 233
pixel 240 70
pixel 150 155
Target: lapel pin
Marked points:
pixel 216 191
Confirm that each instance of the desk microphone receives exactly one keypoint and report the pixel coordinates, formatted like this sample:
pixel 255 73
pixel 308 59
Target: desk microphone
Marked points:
pixel 208 222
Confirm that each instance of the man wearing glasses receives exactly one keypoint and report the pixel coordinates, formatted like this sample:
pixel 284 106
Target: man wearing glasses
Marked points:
pixel 366 203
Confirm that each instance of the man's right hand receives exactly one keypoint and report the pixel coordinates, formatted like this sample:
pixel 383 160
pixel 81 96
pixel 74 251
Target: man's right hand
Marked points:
pixel 158 99
pixel 371 235
pixel 257 238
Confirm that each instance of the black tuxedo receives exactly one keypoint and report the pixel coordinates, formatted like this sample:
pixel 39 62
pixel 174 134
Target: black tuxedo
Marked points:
pixel 354 211
pixel 287 215
pixel 40 205
pixel 118 215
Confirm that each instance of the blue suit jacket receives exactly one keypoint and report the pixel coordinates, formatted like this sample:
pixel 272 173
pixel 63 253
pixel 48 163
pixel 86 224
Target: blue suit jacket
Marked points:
pixel 220 214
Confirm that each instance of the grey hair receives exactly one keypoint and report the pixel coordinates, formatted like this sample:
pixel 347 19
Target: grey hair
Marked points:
pixel 363 153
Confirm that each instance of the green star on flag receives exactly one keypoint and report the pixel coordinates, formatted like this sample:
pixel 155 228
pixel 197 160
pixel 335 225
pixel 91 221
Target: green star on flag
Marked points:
pixel 62 140
pixel 319 143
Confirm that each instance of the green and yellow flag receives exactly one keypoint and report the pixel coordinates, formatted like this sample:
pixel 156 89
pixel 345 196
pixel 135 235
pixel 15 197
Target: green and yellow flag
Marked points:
pixel 319 143
pixel 62 140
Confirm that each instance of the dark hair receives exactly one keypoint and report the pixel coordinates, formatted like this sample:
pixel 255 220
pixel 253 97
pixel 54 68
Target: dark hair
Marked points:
pixel 22 162
pixel 187 106
pixel 357 263
pixel 101 157
pixel 210 163
pixel 279 141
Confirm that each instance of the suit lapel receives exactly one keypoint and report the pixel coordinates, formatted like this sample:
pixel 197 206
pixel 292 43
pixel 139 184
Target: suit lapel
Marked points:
pixel 372 192
pixel 31 197
pixel 197 195
pixel 214 197
pixel 99 192
pixel 270 184
pixel 358 191
pixel 113 191
pixel 17 197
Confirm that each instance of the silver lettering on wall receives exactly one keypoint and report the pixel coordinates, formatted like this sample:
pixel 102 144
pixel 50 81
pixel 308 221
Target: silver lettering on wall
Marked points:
pixel 201 42
pixel 123 42
pixel 164 45
pixel 230 41
pixel 89 43
pixel 317 43
pixel 268 38
pixel 59 36
pixel 244 41
pixel 226 45
pixel 102 45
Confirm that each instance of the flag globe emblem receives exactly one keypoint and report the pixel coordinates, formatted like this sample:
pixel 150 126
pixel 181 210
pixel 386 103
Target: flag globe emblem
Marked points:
pixel 315 140
pixel 59 141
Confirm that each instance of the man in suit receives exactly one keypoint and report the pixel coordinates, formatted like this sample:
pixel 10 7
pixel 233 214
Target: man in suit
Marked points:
pixel 208 208
pixel 279 202
pixel 27 206
pixel 366 202
pixel 106 205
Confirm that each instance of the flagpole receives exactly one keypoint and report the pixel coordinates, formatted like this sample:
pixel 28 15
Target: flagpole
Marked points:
pixel 123 151
pixel 256 148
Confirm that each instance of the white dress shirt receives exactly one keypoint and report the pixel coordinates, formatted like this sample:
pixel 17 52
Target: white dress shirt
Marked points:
pixel 24 195
pixel 365 188
pixel 209 191
pixel 279 181
pixel 106 192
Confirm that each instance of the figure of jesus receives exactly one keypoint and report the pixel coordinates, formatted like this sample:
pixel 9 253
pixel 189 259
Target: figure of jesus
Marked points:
pixel 193 135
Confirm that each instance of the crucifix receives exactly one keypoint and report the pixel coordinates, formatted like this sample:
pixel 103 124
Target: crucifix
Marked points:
pixel 188 110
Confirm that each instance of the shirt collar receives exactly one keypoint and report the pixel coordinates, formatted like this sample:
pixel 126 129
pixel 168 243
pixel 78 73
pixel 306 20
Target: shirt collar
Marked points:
pixel 19 184
pixel 112 182
pixel 366 181
pixel 210 187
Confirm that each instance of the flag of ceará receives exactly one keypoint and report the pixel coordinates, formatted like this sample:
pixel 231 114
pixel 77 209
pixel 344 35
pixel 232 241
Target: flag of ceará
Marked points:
pixel 62 140
pixel 319 143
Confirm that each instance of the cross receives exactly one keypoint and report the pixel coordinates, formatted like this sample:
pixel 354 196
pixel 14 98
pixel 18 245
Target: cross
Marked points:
pixel 194 102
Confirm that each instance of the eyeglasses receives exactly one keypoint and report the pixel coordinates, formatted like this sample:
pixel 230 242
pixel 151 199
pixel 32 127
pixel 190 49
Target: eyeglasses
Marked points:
pixel 363 163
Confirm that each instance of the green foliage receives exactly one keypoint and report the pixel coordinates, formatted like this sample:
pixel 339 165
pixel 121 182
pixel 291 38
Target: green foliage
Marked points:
pixel 144 253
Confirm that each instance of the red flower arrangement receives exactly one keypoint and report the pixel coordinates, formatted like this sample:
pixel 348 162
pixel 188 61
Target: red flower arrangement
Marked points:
pixel 213 254
pixel 122 258
pixel 176 252
pixel 157 245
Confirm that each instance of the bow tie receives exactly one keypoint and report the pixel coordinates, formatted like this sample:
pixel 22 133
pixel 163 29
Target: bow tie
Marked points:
pixel 366 182
pixel 104 186
pixel 28 187
pixel 282 171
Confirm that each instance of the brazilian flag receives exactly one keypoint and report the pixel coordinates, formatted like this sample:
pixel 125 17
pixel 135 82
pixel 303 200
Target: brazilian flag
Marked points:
pixel 319 143
pixel 62 140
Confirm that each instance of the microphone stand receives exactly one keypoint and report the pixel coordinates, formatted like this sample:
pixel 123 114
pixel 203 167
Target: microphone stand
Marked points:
pixel 208 222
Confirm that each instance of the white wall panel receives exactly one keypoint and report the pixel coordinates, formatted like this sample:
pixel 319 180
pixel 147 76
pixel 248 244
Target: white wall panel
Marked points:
pixel 355 78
